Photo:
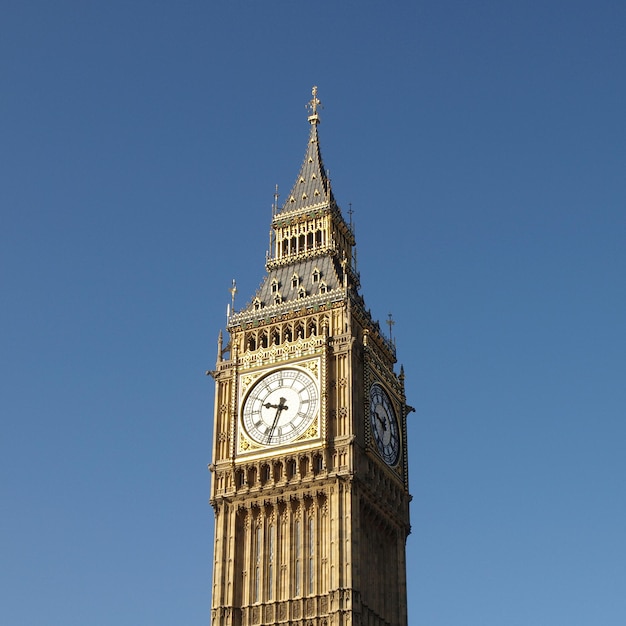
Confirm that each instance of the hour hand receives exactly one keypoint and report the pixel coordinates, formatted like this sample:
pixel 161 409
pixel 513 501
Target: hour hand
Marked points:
pixel 281 406
pixel 381 421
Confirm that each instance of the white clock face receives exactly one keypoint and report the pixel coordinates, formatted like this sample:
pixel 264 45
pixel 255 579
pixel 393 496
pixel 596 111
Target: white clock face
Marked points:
pixel 384 425
pixel 280 407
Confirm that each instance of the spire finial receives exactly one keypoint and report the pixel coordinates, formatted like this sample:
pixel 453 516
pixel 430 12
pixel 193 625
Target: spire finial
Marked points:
pixel 312 105
pixel 275 205
pixel 390 323
pixel 233 291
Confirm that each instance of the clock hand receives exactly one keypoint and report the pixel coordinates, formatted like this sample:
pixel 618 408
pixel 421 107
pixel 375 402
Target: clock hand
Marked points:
pixel 381 420
pixel 280 407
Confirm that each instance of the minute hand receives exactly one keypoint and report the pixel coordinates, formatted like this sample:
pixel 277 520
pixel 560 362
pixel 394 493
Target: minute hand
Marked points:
pixel 280 407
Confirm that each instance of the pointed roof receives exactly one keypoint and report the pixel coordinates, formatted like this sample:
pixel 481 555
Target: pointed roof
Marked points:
pixel 312 186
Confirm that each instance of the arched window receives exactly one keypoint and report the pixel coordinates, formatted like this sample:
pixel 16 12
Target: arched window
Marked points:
pixel 239 478
pixel 252 476
pixel 278 471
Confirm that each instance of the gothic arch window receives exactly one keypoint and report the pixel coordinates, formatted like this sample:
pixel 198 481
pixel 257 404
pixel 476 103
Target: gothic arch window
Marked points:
pixel 309 241
pixel 264 340
pixel 318 238
pixel 287 334
pixel 257 304
pixel 301 241
pixel 252 476
pixel 299 330
pixel 275 337
pixel 274 285
pixel 323 287
pixel 251 343
pixel 239 478
pixel 312 329
pixel 301 292
pixel 278 471
pixel 277 299
pixel 295 281
pixel 316 275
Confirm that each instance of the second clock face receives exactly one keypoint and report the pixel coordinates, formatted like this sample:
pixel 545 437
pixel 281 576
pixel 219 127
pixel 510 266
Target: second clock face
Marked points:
pixel 280 407
pixel 384 424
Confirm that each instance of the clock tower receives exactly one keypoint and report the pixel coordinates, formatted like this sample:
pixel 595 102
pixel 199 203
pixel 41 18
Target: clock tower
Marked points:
pixel 309 471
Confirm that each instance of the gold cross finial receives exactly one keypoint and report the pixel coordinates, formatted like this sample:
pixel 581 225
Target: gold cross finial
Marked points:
pixel 312 106
pixel 390 323
pixel 233 291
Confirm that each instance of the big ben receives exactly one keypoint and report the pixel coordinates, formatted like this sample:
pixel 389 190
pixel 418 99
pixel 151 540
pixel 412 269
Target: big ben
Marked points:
pixel 309 467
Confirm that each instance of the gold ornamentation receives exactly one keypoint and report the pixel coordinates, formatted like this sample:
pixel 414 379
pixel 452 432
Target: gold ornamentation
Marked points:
pixel 246 381
pixel 246 445
pixel 311 433
pixel 313 104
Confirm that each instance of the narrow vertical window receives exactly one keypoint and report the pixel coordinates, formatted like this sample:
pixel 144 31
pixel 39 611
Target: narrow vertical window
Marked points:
pixel 311 556
pixel 281 589
pixel 270 563
pixel 257 563
pixel 297 557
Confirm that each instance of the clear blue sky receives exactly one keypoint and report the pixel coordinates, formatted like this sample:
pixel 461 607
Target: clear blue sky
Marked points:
pixel 482 146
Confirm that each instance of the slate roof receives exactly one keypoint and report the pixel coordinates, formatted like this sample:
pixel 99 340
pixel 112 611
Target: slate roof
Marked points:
pixel 316 276
pixel 312 187
pixel 320 275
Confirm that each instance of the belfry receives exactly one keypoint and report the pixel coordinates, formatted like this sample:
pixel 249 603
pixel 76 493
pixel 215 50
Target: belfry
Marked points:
pixel 309 462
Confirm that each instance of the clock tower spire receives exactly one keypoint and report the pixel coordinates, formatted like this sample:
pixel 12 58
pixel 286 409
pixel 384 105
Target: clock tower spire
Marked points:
pixel 309 471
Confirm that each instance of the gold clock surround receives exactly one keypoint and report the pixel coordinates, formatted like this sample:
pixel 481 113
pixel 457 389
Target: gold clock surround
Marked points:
pixel 268 420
